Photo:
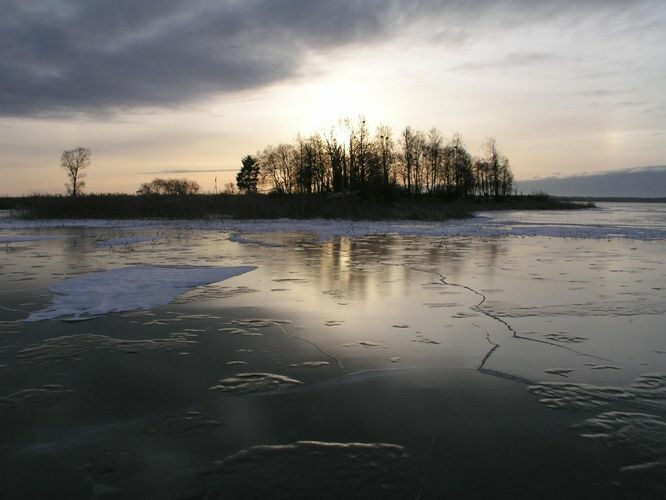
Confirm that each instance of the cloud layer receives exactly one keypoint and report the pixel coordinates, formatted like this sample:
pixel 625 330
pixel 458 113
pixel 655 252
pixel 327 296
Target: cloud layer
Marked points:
pixel 63 56
pixel 85 54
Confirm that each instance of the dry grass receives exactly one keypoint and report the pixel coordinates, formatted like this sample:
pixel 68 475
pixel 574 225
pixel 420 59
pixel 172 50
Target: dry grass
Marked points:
pixel 260 206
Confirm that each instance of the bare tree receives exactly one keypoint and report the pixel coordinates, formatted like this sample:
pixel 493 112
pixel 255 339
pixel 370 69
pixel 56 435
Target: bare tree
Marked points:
pixel 74 161
pixel 385 149
pixel 168 187
pixel 434 149
pixel 407 140
pixel 492 158
pixel 279 167
pixel 336 159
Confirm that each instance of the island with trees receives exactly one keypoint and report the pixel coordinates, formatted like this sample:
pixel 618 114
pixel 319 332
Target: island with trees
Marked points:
pixel 414 163
pixel 348 172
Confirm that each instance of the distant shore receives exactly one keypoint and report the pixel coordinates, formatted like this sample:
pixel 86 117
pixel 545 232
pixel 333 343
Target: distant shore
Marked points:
pixel 267 206
pixel 612 199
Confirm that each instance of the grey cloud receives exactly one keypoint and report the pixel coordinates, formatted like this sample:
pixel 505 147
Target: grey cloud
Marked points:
pixel 605 92
pixel 78 55
pixel 95 56
pixel 510 61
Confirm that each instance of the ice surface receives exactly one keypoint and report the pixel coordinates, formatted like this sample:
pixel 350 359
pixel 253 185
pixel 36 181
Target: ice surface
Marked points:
pixel 248 383
pixel 127 241
pixel 505 310
pixel 604 222
pixel 310 469
pixel 128 289
pixel 78 346
pixel 41 237
pixel 187 425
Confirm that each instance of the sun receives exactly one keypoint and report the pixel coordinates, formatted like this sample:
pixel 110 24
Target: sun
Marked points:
pixel 322 105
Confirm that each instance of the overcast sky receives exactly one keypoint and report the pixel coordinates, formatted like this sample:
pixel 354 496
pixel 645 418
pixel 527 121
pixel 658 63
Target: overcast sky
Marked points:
pixel 180 88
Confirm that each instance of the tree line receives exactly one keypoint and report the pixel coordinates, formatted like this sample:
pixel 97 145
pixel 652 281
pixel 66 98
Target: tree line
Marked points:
pixel 416 162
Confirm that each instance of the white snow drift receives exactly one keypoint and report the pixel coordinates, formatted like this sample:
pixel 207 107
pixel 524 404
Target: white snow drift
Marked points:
pixel 128 289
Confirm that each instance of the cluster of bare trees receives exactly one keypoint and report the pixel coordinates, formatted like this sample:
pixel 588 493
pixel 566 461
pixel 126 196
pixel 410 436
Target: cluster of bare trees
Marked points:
pixel 169 187
pixel 354 159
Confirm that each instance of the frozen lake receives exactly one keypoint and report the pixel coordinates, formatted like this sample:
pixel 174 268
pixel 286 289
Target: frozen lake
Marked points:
pixel 515 355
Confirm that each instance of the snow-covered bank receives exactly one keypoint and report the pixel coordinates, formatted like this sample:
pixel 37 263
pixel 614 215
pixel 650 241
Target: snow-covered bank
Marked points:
pixel 128 289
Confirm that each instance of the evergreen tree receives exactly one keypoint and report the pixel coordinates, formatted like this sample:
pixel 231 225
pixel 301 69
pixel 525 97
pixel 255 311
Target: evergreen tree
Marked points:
pixel 248 177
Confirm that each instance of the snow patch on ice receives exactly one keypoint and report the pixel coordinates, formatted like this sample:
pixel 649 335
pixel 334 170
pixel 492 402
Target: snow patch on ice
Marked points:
pixel 128 289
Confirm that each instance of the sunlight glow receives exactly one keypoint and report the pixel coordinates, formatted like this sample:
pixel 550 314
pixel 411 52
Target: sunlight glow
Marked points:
pixel 323 104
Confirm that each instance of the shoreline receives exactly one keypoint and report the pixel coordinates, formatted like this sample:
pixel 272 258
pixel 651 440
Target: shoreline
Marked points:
pixel 260 206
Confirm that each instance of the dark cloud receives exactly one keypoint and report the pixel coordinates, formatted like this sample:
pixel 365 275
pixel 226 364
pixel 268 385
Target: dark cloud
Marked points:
pixel 73 55
pixel 82 56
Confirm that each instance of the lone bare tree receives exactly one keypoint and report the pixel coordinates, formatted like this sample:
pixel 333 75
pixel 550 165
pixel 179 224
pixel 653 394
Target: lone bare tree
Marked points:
pixel 74 161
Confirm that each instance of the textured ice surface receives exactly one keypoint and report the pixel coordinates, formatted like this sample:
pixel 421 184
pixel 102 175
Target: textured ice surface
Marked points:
pixel 310 469
pixel 128 289
pixel 127 241
pixel 509 312
pixel 187 425
pixel 78 346
pixel 647 391
pixel 620 425
pixel 247 383
pixel 38 397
